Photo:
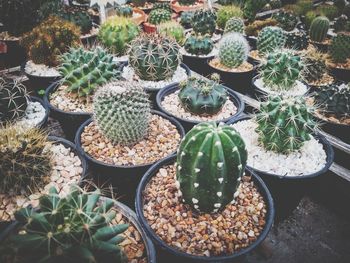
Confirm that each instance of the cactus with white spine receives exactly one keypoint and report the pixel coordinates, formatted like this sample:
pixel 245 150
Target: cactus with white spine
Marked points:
pixel 269 39
pixel 234 25
pixel 204 22
pixel 233 50
pixel 319 28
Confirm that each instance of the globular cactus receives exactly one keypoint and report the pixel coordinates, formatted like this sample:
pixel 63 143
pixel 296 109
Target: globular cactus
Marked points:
pixel 199 45
pixel 275 4
pixel 252 7
pixel 84 70
pixel 234 25
pixel 233 50
pixel 210 163
pixel 319 28
pixel 269 39
pixel 162 5
pixel 225 13
pixel 339 49
pixel 204 22
pixel 116 33
pixel 254 28
pixel 158 16
pixel 297 40
pixel 13 100
pixel 122 112
pixel 124 10
pixel 201 96
pixel 79 226
pixel 315 65
pixel 281 70
pixel 174 30
pixel 154 57
pixel 284 124
pixel 341 23
pixel 186 19
pixel 25 164
pixel 187 2
pixel 286 20
pixel 79 17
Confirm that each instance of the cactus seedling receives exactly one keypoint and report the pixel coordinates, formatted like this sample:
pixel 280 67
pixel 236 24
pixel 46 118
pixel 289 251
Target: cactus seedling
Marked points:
pixel 204 22
pixel 158 16
pixel 199 45
pixel 174 30
pixel 319 28
pixel 270 39
pixel 234 25
pixel 233 50
pixel 340 48
pixel 225 13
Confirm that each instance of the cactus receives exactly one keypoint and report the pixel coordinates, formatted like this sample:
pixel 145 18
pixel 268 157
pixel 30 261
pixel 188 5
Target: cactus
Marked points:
pixel 270 39
pixel 284 124
pixel 162 5
pixel 25 164
pixel 199 45
pixel 275 4
pixel 202 97
pixel 77 16
pixel 252 7
pixel 341 23
pixel 234 25
pixel 233 50
pixel 186 19
pixel 315 65
pixel 13 100
pixel 83 70
pixel 224 13
pixel 122 112
pixel 174 30
pixel 79 226
pixel 210 163
pixel 187 2
pixel 124 10
pixel 254 28
pixel 286 20
pixel 340 48
pixel 154 57
pixel 297 40
pixel 116 33
pixel 319 28
pixel 281 70
pixel 158 16
pixel 50 39
pixel 204 22
pixel 328 11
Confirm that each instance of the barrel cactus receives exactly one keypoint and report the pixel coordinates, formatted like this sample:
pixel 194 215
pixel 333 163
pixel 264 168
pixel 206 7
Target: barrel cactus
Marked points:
pixel 297 40
pixel 269 39
pixel 225 13
pixel 233 50
pixel 122 112
pixel 124 10
pixel 199 45
pixel 340 48
pixel 174 30
pixel 186 19
pixel 158 16
pixel 210 163
pixel 284 124
pixel 319 28
pixel 204 22
pixel 286 20
pixel 154 57
pixel 315 65
pixel 234 25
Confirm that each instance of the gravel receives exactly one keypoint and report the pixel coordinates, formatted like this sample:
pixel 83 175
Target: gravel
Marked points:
pixel 41 70
pixel 213 53
pixel 34 114
pixel 298 90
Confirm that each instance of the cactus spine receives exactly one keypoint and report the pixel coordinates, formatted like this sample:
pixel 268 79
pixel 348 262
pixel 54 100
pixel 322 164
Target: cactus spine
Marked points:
pixel 158 16
pixel 297 40
pixel 315 65
pixel 199 45
pixel 204 22
pixel 286 20
pixel 340 48
pixel 269 39
pixel 233 50
pixel 319 28
pixel 234 25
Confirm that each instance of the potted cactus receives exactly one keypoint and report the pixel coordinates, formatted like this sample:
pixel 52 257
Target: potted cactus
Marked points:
pixel 156 17
pixel 201 191
pixel 224 13
pixel 204 22
pixel 186 5
pixel 252 29
pixel 185 19
pixel 286 20
pixel 297 40
pixel 318 33
pixel 172 29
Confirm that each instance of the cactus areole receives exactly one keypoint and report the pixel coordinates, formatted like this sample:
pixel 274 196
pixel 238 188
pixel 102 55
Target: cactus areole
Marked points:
pixel 210 162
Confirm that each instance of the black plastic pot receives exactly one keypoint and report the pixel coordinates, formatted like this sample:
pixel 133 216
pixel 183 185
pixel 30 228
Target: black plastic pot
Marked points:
pixel 124 178
pixel 70 121
pixel 43 123
pixel 170 254
pixel 341 74
pixel 341 131
pixel 323 48
pixel 16 54
pixel 315 88
pixel 287 191
pixel 252 41
pixel 37 83
pixel 188 124
pixel 197 64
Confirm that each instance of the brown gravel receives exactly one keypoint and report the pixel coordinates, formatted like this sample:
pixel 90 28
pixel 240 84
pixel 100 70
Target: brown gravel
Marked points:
pixel 345 65
pixel 162 140
pixel 325 80
pixel 255 55
pixel 222 233
pixel 246 66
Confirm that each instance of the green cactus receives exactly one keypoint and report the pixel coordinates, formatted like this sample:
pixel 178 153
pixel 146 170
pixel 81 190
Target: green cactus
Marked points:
pixel 254 28
pixel 233 50
pixel 79 226
pixel 186 19
pixel 187 2
pixel 315 65
pixel 154 57
pixel 328 11
pixel 252 7
pixel 162 5
pixel 275 4
pixel 199 45
pixel 124 10
pixel 84 70
pixel 224 13
pixel 297 40
pixel 269 39
pixel 13 100
pixel 204 22
pixel 341 23
pixel 122 112
pixel 286 20
pixel 234 25
pixel 174 30
pixel 77 16
pixel 319 28
pixel 116 33
pixel 158 16
pixel 284 124
pixel 339 49
pixel 210 163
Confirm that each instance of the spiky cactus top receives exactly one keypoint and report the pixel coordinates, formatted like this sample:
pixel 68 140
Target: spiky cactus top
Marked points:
pixel 234 25
pixel 286 20
pixel 233 50
pixel 122 112
pixel 269 39
pixel 319 28
pixel 172 29
pixel 186 18
pixel 158 16
pixel 154 57
pixel 297 40
pixel 315 65
pixel 224 13
pixel 199 45
pixel 210 162
pixel 340 48
pixel 204 22
pixel 78 226
pixel 284 124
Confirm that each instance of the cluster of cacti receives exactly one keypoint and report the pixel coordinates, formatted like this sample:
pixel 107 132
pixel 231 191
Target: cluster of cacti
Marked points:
pixel 224 13
pixel 286 20
pixel 157 16
pixel 284 123
pixel 122 112
pixel 297 40
pixel 199 45
pixel 50 39
pixel 319 28
pixel 254 28
pixel 341 23
pixel 339 48
pixel 116 33
pixel 269 39
pixel 174 30
pixel 13 100
pixel 234 25
pixel 210 163
pixel 25 164
pixel 78 226
pixel 233 50
pixel 204 22
pixel 252 7
pixel 154 57
pixel 281 70
pixel 201 96
pixel 124 10
pixel 187 2
pixel 315 65
pixel 186 19
pixel 84 70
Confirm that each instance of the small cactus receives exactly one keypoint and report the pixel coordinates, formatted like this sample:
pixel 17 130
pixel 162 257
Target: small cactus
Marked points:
pixel 225 13
pixel 252 7
pixel 315 65
pixel 186 19
pixel 297 40
pixel 204 22
pixel 79 17
pixel 319 28
pixel 199 45
pixel 254 28
pixel 270 39
pixel 340 48
pixel 234 25
pixel 233 50
pixel 158 16
pixel 286 20
pixel 174 30
pixel 124 10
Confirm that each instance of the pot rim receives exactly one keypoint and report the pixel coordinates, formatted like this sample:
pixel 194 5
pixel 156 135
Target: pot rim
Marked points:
pixel 233 73
pixel 47 110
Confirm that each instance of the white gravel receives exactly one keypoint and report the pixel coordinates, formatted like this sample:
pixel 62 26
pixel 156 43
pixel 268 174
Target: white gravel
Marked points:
pixel 298 90
pixel 124 58
pixel 213 53
pixel 309 159
pixel 34 114
pixel 41 70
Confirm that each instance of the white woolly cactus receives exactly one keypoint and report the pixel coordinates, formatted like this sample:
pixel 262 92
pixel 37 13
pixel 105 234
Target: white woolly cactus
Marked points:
pixel 233 50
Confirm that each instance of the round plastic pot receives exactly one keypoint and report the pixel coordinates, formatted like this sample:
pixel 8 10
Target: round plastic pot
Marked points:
pixel 287 191
pixel 341 131
pixel 341 74
pixel 43 123
pixel 252 41
pixel 70 121
pixel 188 124
pixel 15 55
pixel 168 253
pixel 197 64
pixel 37 83
pixel 124 178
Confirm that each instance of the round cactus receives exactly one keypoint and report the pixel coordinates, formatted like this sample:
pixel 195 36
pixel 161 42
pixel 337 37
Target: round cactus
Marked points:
pixel 319 28
pixel 204 22
pixel 269 39
pixel 315 65
pixel 233 50
pixel 210 162
pixel 186 19
pixel 172 29
pixel 340 48
pixel 122 112
pixel 199 45
pixel 234 25
pixel 124 10
pixel 286 20
pixel 297 40
pixel 225 13
pixel 158 16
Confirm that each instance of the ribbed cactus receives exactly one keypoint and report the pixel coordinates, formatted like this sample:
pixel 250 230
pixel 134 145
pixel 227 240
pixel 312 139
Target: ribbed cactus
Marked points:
pixel 340 48
pixel 79 226
pixel 315 65
pixel 154 57
pixel 162 5
pixel 172 29
pixel 204 22
pixel 269 39
pixel 25 165
pixel 186 19
pixel 284 124
pixel 78 16
pixel 234 25
pixel 13 100
pixel 286 20
pixel 116 33
pixel 199 45
pixel 319 28
pixel 124 10
pixel 233 50
pixel 210 162
pixel 225 13
pixel 84 70
pixel 297 40
pixel 158 16
pixel 122 112
pixel 201 96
